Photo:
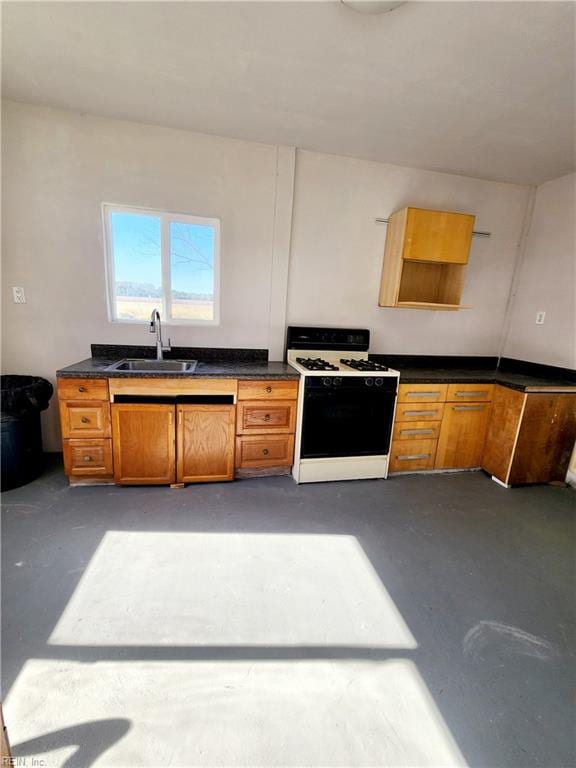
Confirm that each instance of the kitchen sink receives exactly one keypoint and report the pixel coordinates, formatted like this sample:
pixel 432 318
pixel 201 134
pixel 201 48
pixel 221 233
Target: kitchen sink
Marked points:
pixel 147 366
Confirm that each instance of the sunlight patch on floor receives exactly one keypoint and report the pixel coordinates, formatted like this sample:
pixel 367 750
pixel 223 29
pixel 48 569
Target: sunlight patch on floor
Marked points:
pixel 298 713
pixel 206 589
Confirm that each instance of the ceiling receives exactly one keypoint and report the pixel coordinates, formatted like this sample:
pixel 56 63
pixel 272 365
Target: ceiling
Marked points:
pixel 483 89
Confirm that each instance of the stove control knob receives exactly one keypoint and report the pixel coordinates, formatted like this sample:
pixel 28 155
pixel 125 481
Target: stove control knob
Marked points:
pixel 369 382
pixel 327 381
pixel 379 382
pixel 337 381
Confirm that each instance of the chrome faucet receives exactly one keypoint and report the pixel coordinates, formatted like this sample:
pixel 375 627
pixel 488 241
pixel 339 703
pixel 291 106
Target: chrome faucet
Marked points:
pixel 156 327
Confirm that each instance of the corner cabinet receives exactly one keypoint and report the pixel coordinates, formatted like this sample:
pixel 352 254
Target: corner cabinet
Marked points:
pixel 169 431
pixel 425 258
pixel 530 436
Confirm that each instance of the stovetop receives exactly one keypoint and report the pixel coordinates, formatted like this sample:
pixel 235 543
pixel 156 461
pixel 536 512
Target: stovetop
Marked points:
pixel 332 363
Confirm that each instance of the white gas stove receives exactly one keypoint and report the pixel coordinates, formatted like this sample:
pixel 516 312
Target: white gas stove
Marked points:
pixel 345 408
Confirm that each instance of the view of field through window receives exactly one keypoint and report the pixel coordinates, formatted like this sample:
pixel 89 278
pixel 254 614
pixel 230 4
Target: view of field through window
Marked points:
pixel 137 248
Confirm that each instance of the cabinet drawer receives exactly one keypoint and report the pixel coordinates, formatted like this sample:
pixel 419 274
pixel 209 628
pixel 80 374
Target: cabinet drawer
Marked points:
pixel 272 389
pixel 253 417
pixel 422 393
pixel 412 455
pixel 83 389
pixel 419 411
pixel 417 430
pixel 473 392
pixel 265 451
pixel 85 419
pixel 88 458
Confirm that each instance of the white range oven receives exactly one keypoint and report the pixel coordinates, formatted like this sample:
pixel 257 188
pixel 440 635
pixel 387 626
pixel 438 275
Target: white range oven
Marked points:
pixel 346 405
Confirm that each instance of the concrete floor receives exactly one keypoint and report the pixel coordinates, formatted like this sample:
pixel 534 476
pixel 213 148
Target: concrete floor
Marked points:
pixel 423 620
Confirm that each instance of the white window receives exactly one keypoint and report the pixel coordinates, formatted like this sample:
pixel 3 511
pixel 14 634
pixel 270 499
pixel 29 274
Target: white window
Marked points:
pixel 167 261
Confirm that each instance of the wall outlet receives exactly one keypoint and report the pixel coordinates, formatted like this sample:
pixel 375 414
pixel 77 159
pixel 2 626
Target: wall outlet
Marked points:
pixel 540 318
pixel 18 296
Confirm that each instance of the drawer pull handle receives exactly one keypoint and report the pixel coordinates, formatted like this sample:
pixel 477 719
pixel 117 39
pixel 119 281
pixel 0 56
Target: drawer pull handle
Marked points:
pixel 87 458
pixel 422 394
pixel 81 389
pixel 268 389
pixel 265 451
pixel 420 413
pixel 416 431
pixel 479 393
pixel 267 417
pixel 413 456
pixel 468 407
pixel 85 420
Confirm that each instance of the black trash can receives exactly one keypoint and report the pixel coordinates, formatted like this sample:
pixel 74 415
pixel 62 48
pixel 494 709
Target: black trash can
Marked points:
pixel 23 397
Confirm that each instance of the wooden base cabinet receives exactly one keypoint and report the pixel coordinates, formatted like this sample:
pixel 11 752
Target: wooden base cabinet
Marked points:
pixel 143 437
pixel 530 436
pixel 85 423
pixel 205 443
pixel 265 426
pixel 440 426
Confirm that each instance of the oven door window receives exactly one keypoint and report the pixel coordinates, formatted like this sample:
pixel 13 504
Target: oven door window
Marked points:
pixel 346 422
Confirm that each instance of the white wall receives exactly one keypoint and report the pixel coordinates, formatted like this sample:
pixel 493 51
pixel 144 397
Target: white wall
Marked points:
pixel 58 168
pixel 337 251
pixel 546 280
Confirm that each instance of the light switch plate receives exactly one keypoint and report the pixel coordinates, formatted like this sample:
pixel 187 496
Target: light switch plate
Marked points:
pixel 540 318
pixel 18 295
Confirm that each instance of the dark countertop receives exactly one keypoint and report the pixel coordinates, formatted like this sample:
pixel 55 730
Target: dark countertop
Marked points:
pixel 95 368
pixel 253 364
pixel 517 381
pixel 516 374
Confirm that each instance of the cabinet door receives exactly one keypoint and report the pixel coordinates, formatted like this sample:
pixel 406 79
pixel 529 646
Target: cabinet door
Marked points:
pixel 143 440
pixel 438 236
pixel 205 443
pixel 462 435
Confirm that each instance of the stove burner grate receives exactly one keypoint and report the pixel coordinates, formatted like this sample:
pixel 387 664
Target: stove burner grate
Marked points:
pixel 316 364
pixel 363 365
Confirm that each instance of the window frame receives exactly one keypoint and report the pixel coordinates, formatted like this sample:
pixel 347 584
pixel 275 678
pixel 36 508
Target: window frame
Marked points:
pixel 166 218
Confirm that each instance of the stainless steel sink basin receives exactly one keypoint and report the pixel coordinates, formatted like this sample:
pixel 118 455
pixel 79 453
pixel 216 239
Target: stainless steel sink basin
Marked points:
pixel 161 366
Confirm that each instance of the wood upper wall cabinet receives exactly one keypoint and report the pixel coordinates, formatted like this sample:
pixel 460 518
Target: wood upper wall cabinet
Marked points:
pixel 143 437
pixel 205 440
pixel 425 258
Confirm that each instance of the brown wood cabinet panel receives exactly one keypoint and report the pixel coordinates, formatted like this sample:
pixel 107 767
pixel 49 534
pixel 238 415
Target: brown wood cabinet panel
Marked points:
pixel 439 236
pixel 271 389
pixel 462 435
pixel 185 385
pixel 83 389
pixel 505 417
pixel 545 439
pixel 422 393
pixel 460 393
pixel 412 455
pixel 84 418
pixel 88 458
pixel 275 417
pixel 265 451
pixel 205 443
pixel 416 430
pixel 419 411
pixel 144 444
pixel 393 262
